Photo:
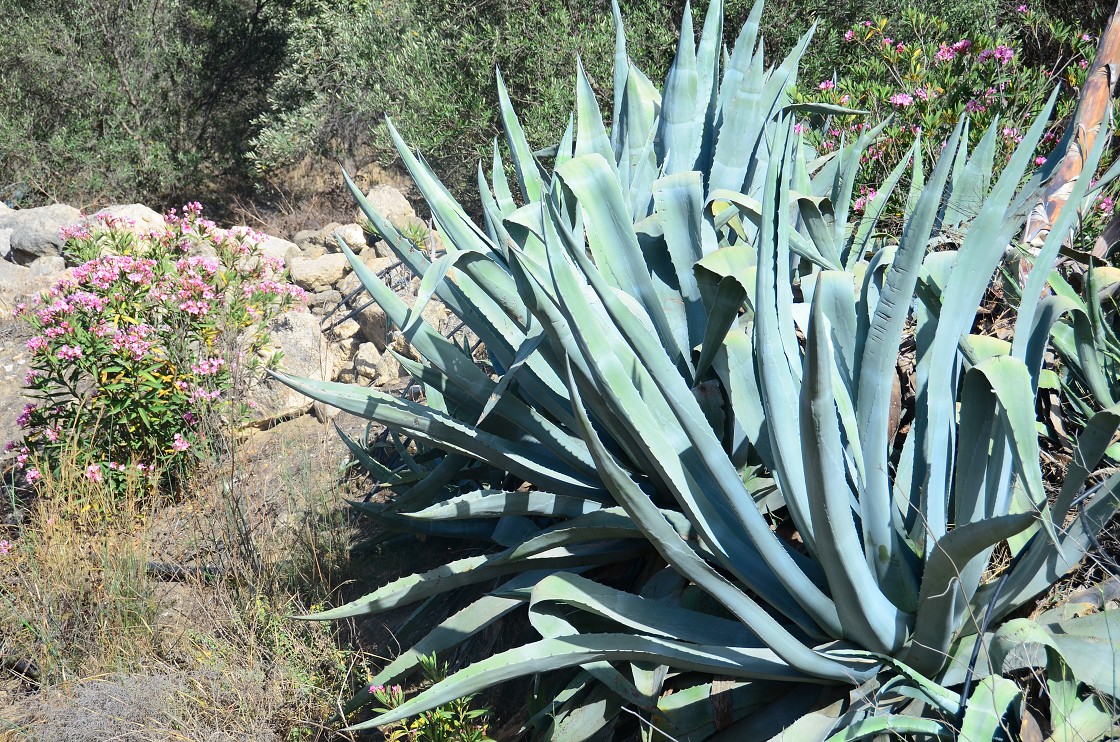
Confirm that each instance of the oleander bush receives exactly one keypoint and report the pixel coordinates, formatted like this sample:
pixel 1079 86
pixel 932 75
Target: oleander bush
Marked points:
pixel 143 354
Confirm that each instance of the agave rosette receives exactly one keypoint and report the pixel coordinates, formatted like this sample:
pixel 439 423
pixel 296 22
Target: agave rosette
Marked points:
pixel 691 341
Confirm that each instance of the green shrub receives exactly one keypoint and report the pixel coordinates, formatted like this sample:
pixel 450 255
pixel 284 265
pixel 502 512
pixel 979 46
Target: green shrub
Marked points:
pixel 430 66
pixel 146 345
pixel 110 101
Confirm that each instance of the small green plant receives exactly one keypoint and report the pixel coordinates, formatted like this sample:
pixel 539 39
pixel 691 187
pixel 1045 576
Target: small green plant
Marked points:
pixel 453 722
pixel 145 345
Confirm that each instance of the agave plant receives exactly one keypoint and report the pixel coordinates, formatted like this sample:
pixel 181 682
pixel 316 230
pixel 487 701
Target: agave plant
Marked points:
pixel 693 352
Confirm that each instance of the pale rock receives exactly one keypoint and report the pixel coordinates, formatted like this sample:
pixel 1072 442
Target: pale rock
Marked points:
pixel 353 235
pixel 137 217
pixel 375 263
pixel 344 330
pixel 367 361
pixel 274 247
pixel 345 350
pixel 324 301
pixel 325 237
pixel 305 235
pixel 311 250
pixel 15 283
pixel 47 266
pixel 6 243
pixel 389 370
pixel 306 353
pixel 391 204
pixel 36 232
pixel 319 274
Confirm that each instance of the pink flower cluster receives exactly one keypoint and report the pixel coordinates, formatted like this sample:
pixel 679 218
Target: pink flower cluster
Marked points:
pixel 949 52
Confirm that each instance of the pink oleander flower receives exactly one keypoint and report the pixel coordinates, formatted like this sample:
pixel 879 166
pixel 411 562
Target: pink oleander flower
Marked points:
pixel 69 353
pixel 5 547
pixel 962 47
pixel 902 100
pixel 1086 37
pixel 1022 9
pixel 849 35
pixel 93 473
pixel 900 48
pixel 24 418
pixel 921 94
pixel 799 128
pixel 180 443
pixel 945 53
pixel 827 85
pixel 1003 53
pixel 1083 63
pixel 986 55
pixel 32 475
pixel 975 106
pixel 1039 160
pixel 1106 205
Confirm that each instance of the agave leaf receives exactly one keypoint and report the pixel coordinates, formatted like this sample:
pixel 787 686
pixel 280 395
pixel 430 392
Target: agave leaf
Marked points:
pixel 875 375
pixel 735 366
pixel 1086 719
pixel 1044 261
pixel 708 60
pixel 1090 448
pixel 988 706
pixel 375 468
pixel 664 412
pixel 450 633
pixel 822 109
pixel 471 571
pixel 640 615
pixel 1043 563
pixel 621 72
pixel 971 185
pixel 500 181
pixel 866 614
pixel 608 524
pixel 778 363
pixel 591 135
pixel 722 313
pixel 591 718
pixel 553 654
pixel 678 554
pixel 527 460
pixel 895 725
pixel 528 171
pixel 859 239
pixel 1089 645
pixel 613 243
pixel 979 254
pixel 475 530
pixel 742 121
pixel 682 115
pixel 489 503
pixel 816 214
pixel 679 206
pixel 943 599
pixel 690 713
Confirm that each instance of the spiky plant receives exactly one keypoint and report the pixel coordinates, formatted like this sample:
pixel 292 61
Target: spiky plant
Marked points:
pixel 692 343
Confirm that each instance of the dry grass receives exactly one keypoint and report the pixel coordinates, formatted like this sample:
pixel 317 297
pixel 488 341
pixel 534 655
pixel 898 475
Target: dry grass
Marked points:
pixel 97 643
